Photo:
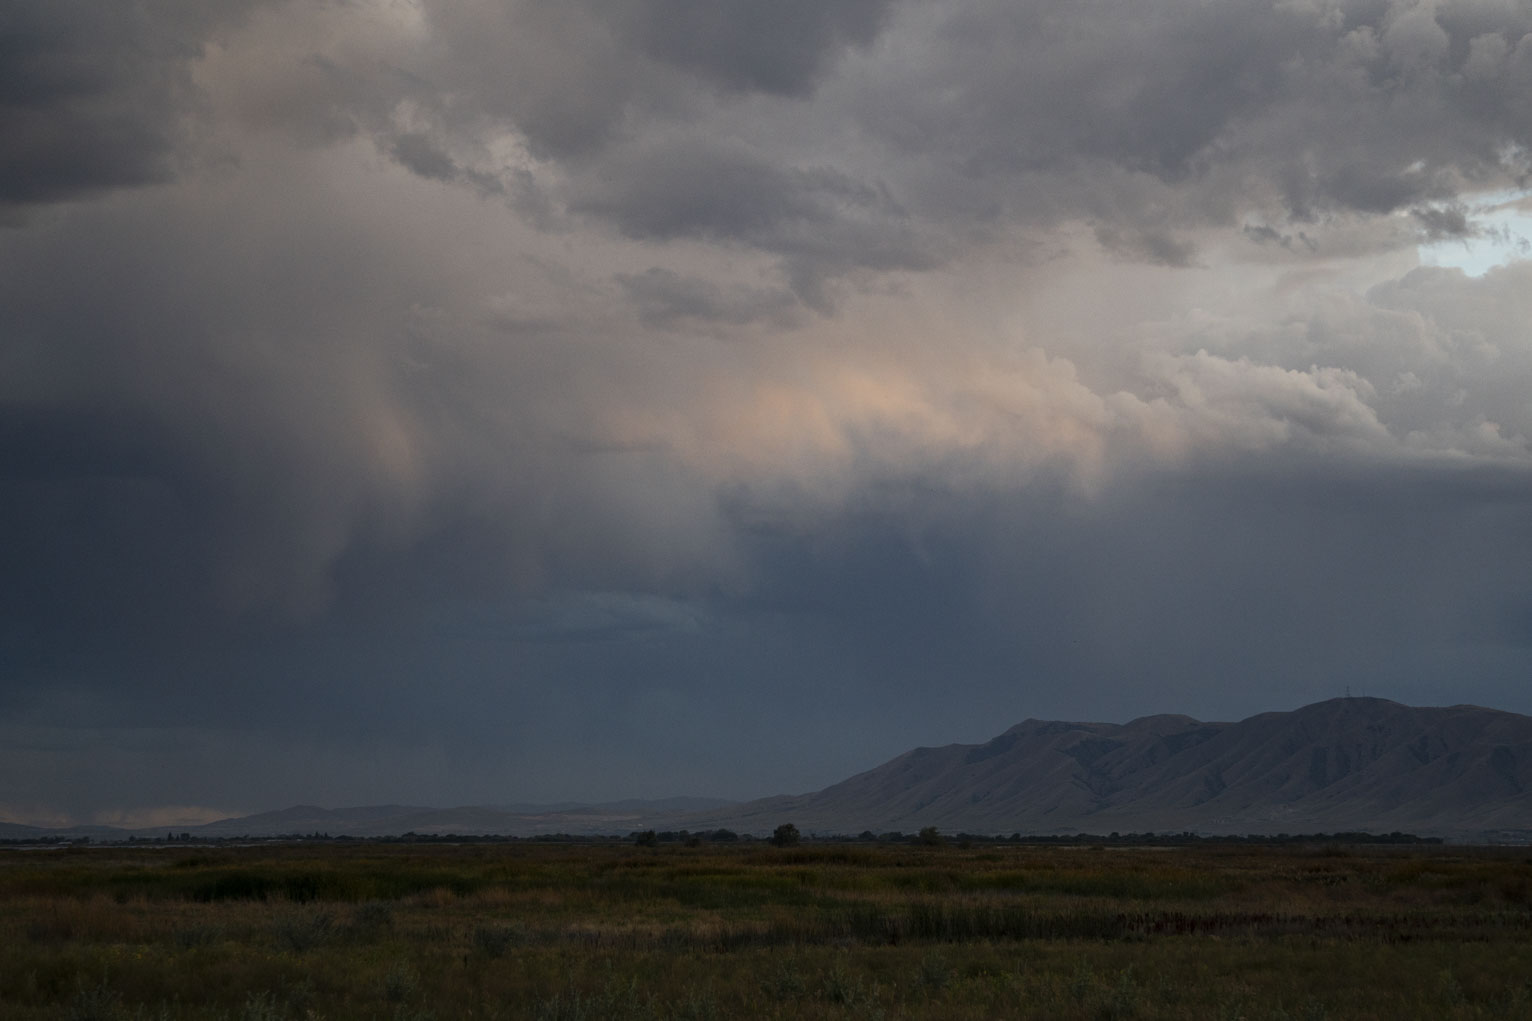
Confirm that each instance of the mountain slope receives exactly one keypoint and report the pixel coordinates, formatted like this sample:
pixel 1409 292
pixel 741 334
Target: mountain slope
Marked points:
pixel 1345 764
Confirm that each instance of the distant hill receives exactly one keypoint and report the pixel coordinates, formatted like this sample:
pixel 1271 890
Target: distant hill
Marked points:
pixel 1349 764
pixel 18 831
pixel 520 820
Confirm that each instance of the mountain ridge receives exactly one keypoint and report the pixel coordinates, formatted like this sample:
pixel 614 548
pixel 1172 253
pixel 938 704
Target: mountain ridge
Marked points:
pixel 1346 764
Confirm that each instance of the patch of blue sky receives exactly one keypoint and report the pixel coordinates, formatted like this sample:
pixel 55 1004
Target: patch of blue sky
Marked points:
pixel 1503 222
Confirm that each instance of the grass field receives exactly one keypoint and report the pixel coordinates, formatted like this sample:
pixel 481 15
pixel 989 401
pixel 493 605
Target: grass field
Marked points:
pixel 533 930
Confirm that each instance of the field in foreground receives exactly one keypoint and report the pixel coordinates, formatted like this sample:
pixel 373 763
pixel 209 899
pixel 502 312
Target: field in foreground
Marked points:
pixel 819 931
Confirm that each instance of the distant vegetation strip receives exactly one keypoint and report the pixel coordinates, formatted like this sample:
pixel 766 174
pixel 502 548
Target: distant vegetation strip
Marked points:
pixel 689 838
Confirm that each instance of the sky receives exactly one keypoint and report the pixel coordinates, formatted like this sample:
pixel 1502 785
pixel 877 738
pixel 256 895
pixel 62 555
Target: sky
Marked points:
pixel 484 401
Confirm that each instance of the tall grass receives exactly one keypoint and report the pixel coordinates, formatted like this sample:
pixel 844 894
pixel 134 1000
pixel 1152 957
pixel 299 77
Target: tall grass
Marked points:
pixel 406 933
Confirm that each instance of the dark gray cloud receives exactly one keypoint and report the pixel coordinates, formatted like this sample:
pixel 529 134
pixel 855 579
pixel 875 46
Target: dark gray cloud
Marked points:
pixel 88 99
pixel 94 98
pixel 663 297
pixel 1150 246
pixel 1446 222
pixel 698 189
pixel 575 77
pixel 822 223
pixel 782 47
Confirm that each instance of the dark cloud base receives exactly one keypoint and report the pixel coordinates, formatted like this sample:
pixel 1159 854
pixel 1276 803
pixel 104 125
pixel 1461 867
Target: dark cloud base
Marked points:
pixel 1217 596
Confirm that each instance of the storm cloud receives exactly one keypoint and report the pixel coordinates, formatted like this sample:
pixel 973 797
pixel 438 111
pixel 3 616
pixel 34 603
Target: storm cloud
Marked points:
pixel 462 401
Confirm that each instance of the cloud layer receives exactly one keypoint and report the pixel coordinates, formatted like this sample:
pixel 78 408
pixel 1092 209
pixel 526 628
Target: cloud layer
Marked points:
pixel 485 389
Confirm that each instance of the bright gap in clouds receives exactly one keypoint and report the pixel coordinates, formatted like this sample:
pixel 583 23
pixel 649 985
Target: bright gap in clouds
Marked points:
pixel 1504 223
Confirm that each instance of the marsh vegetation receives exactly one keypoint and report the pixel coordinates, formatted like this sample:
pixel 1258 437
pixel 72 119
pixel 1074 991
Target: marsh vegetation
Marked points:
pixel 402 932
